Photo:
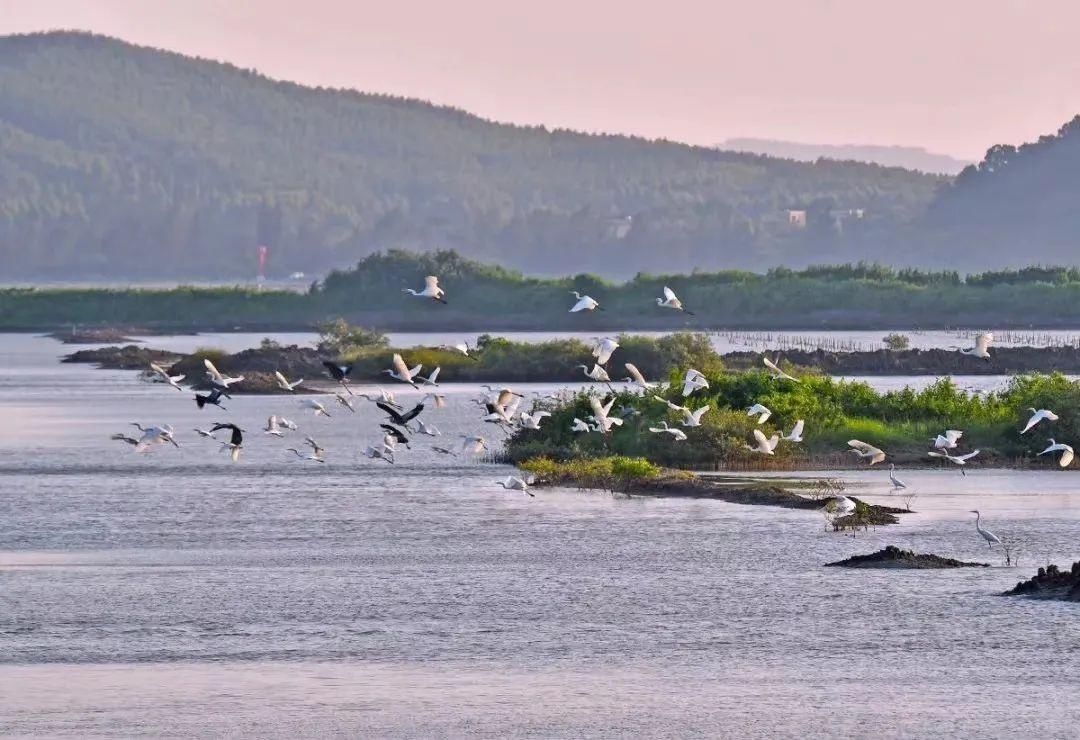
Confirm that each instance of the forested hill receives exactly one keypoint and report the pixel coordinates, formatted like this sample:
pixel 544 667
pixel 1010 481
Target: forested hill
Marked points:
pixel 122 161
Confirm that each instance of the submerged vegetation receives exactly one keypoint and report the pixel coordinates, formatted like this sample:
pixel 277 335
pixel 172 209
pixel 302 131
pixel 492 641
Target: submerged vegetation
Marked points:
pixel 483 297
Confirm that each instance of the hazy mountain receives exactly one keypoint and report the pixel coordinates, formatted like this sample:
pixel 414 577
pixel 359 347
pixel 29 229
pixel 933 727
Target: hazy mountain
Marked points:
pixel 117 160
pixel 909 157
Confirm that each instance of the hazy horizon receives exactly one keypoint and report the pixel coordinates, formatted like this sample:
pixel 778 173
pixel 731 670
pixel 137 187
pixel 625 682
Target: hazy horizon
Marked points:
pixel 835 72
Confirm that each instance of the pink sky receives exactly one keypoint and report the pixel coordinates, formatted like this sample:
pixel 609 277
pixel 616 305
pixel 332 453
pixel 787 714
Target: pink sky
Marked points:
pixel 954 76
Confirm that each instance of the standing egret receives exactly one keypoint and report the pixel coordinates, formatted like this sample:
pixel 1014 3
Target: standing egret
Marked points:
pixel 1066 452
pixel 796 432
pixel 1038 415
pixel 284 384
pixel 867 451
pixel 677 435
pixel 173 380
pixel 775 370
pixel 765 445
pixel 693 381
pixel 603 349
pixel 987 535
pixel 760 411
pixel 431 290
pixel 402 372
pixel 670 300
pixel 981 348
pixel 515 484
pixel 896 482
pixel 584 303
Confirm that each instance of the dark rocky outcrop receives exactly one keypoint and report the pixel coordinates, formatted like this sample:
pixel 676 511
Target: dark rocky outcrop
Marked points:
pixel 94 335
pixel 923 361
pixel 893 558
pixel 129 357
pixel 1051 583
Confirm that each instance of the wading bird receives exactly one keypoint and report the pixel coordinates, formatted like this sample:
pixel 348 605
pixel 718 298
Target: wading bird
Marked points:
pixel 1066 452
pixel 385 396
pixel 896 482
pixel 290 425
pixel 693 381
pixel 310 456
pixel 1038 415
pixel 340 373
pixel 444 451
pixel 948 440
pixel 156 434
pixel 273 427
pixel 395 434
pixel 597 373
pixel 532 421
pixel 765 445
pixel 676 434
pixel 380 453
pixel 796 432
pixel 986 534
pixel 584 303
pixel 284 384
pixel 428 429
pixel 315 447
pixel 761 412
pixel 437 399
pixel 318 408
pixel 775 370
pixel 601 414
pixel 430 379
pixel 515 484
pixel 344 401
pixel 472 445
pixel 670 300
pixel 981 348
pixel 398 417
pixel 401 371
pixel 867 451
pixel 431 290
pixel 217 379
pixel 636 379
pixel 954 459
pixel 579 426
pixel 236 439
pixel 204 433
pixel 173 380
pixel 462 348
pixel 603 349
pixel 213 398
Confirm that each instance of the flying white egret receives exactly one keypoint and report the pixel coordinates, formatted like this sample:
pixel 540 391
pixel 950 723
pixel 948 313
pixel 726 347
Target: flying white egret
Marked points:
pixel 1066 452
pixel 472 444
pixel 896 482
pixel 532 421
pixel 216 378
pixel 316 448
pixel 677 435
pixel 761 412
pixel 867 451
pixel 796 432
pixel 310 456
pixel 284 384
pixel 437 399
pixel 1038 415
pixel 344 401
pixel 955 459
pixel 236 439
pixel 513 483
pixel 318 408
pixel 601 414
pixel 402 372
pixel 636 379
pixel 153 435
pixel 693 418
pixel 765 445
pixel 670 300
pixel 380 453
pixel 597 373
pixel 385 396
pixel 693 381
pixel 394 436
pixel 461 348
pixel 204 433
pixel 986 534
pixel 580 426
pixel 584 303
pixel 430 379
pixel 603 349
pixel 775 370
pixel 431 290
pixel 273 427
pixel 948 440
pixel 173 380
pixel 287 424
pixel 429 429
pixel 981 348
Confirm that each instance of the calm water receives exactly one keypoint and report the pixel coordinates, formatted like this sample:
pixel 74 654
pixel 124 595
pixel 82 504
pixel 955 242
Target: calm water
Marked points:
pixel 178 594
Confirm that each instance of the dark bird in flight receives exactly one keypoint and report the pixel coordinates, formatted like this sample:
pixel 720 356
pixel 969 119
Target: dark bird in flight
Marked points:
pixel 213 398
pixel 396 433
pixel 340 373
pixel 236 440
pixel 398 417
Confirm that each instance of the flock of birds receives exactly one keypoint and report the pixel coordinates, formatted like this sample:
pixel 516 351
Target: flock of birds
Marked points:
pixel 501 406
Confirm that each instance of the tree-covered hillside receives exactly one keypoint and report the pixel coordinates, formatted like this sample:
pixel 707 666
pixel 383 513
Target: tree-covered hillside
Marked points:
pixel 123 161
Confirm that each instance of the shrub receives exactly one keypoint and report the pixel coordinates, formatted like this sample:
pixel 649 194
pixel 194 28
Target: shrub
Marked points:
pixel 896 341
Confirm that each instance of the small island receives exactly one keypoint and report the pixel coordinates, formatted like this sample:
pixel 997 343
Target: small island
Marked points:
pixel 893 558
pixel 1051 583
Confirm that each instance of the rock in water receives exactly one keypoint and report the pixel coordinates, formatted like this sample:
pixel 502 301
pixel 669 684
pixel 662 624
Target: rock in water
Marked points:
pixel 1051 583
pixel 893 558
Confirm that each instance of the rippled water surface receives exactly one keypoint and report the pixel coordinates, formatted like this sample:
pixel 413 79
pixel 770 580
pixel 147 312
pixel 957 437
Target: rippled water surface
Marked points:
pixel 179 594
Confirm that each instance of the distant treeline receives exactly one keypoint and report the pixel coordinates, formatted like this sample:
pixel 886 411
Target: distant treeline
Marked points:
pixel 487 297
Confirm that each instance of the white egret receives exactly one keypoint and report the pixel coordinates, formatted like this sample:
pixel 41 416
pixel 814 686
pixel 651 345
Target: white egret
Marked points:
pixel 310 456
pixel 173 380
pixel 693 381
pixel 636 379
pixel 380 453
pixel 948 440
pixel 216 378
pixel 986 534
pixel 532 421
pixel 284 384
pixel 693 418
pixel 437 399
pixel 867 451
pixel 204 433
pixel 841 506
pixel 318 408
pixel 765 445
pixel 677 435
pixel 760 411
pixel 431 290
pixel 1038 415
pixel 896 482
pixel 316 448
pixel 775 370
pixel 273 427
pixel 462 348
pixel 402 372
pixel 603 349
pixel 513 483
pixel 580 426
pixel 1066 452
pixel 981 348
pixel 287 424
pixel 472 444
pixel 385 396
pixel 601 414
pixel 431 378
pixel 597 373
pixel 344 401
pixel 153 435
pixel 796 432
pixel 955 459
pixel 670 300
pixel 429 429
pixel 584 303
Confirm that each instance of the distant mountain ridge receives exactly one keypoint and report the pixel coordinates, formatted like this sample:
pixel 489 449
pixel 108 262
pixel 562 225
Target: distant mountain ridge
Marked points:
pixel 908 157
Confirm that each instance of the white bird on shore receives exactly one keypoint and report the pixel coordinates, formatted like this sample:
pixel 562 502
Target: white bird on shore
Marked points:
pixel 775 370
pixel 431 290
pixel 987 535
pixel 428 429
pixel 380 453
pixel 676 434
pixel 981 348
pixel 472 444
pixel 896 482
pixel 284 384
pixel 1066 452
pixel 636 379
pixel 597 373
pixel 312 456
pixel 601 414
pixel 532 421
pixel 580 426
pixel 603 349
pixel 584 303
pixel 796 432
pixel 867 451
pixel 948 440
pixel 765 445
pixel 670 300
pixel 513 483
pixel 955 459
pixel 761 412
pixel 693 381
pixel 318 408
pixel 173 380
pixel 402 372
pixel 273 427
pixel 1038 415
pixel 216 378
